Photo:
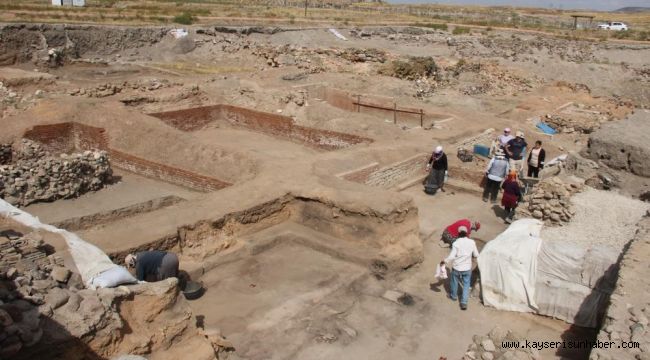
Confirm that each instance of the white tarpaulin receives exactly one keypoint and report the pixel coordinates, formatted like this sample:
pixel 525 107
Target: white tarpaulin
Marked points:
pixel 89 259
pixel 338 34
pixel 574 281
pixel 522 272
pixel 508 266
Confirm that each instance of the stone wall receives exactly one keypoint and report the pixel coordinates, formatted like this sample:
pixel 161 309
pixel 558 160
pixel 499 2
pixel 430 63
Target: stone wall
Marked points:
pixel 626 320
pixel 391 175
pixel 36 176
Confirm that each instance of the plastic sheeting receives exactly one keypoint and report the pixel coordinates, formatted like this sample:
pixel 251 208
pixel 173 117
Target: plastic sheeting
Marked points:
pixel 574 281
pixel 522 272
pixel 508 266
pixel 89 259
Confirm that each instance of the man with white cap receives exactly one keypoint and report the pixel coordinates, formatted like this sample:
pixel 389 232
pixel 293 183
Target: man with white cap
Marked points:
pixel 460 260
pixel 437 166
pixel 515 151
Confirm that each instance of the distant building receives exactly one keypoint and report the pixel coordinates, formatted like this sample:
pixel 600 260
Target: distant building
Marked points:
pixel 69 2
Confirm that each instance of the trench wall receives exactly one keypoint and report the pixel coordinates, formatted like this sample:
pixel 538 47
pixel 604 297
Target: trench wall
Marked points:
pixel 626 319
pixel 275 125
pixel 68 137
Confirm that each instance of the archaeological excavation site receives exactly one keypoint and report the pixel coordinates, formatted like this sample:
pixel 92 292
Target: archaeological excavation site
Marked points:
pixel 285 167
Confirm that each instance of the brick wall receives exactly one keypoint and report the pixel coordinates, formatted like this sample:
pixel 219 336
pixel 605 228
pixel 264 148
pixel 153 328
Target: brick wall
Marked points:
pixel 276 125
pixel 55 138
pixel 164 172
pixel 388 176
pixel 68 137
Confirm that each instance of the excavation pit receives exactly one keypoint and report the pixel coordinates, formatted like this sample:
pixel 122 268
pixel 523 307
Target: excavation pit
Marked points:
pixel 76 137
pixel 265 292
pixel 209 119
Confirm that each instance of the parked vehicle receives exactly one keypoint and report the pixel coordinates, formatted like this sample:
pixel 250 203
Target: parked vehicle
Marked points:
pixel 613 25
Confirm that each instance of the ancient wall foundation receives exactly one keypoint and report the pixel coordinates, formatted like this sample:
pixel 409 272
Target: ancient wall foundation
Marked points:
pixel 271 124
pixel 67 137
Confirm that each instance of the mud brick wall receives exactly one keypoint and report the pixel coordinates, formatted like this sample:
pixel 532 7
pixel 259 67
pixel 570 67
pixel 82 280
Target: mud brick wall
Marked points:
pixel 68 137
pixel 190 119
pixel 164 172
pixel 396 173
pixel 55 138
pixel 390 175
pixel 360 175
pixel 339 99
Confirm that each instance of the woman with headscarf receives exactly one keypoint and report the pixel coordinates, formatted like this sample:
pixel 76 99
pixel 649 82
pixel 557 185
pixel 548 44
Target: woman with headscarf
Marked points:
pixel 437 167
pixel 511 195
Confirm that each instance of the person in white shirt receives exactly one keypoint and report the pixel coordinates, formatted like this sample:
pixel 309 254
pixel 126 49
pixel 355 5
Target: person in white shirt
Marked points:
pixel 460 260
pixel 505 137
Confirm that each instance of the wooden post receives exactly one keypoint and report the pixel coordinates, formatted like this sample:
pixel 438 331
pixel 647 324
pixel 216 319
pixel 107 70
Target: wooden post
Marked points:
pixel 421 118
pixel 394 113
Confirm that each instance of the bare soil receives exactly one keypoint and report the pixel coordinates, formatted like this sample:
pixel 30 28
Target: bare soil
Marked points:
pixel 321 297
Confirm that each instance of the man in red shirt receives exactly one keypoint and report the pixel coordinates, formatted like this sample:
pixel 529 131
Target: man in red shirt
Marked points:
pixel 450 234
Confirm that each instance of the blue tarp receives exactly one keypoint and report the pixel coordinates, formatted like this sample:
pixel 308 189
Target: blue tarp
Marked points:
pixel 546 128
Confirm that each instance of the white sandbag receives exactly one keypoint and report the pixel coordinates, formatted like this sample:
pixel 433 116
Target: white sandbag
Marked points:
pixel 113 277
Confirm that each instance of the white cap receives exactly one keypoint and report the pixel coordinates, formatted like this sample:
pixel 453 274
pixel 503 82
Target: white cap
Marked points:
pixel 462 229
pixel 438 149
pixel 520 134
pixel 506 130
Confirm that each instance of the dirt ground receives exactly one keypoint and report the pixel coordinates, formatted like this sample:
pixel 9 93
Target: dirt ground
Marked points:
pixel 291 300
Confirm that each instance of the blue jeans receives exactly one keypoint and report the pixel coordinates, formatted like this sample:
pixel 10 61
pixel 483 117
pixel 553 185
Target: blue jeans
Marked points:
pixel 465 278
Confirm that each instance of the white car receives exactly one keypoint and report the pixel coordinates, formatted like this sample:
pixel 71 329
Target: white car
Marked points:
pixel 616 26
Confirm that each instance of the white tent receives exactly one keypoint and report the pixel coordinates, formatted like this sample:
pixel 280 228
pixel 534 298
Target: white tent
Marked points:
pixel 522 272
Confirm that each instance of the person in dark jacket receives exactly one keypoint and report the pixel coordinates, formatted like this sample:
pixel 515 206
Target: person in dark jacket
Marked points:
pixel 437 167
pixel 511 195
pixel 515 151
pixel 536 160
pixel 153 265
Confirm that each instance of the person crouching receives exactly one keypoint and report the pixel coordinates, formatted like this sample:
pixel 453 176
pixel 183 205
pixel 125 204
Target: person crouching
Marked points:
pixel 153 265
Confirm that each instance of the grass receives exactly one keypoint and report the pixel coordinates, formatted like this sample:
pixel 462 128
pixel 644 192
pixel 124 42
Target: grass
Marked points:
pixel 184 18
pixel 459 30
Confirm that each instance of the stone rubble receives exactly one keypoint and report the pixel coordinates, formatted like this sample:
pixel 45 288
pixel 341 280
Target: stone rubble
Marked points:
pixel 35 175
pixel 490 347
pixel 550 201
pixel 108 89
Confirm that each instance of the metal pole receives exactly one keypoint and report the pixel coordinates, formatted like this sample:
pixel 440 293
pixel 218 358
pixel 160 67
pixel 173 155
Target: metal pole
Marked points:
pixel 421 118
pixel 305 8
pixel 394 113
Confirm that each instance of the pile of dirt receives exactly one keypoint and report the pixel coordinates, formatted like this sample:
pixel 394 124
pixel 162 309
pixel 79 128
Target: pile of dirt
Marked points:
pixel 570 124
pixel 35 175
pixel 550 201
pixel 412 68
pixel 491 79
pixel 491 347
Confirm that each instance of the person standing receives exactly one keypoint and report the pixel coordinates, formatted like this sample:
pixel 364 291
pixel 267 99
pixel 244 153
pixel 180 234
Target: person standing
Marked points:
pixel 153 265
pixel 496 172
pixel 504 138
pixel 437 167
pixel 452 232
pixel 515 151
pixel 511 196
pixel 460 260
pixel 536 160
